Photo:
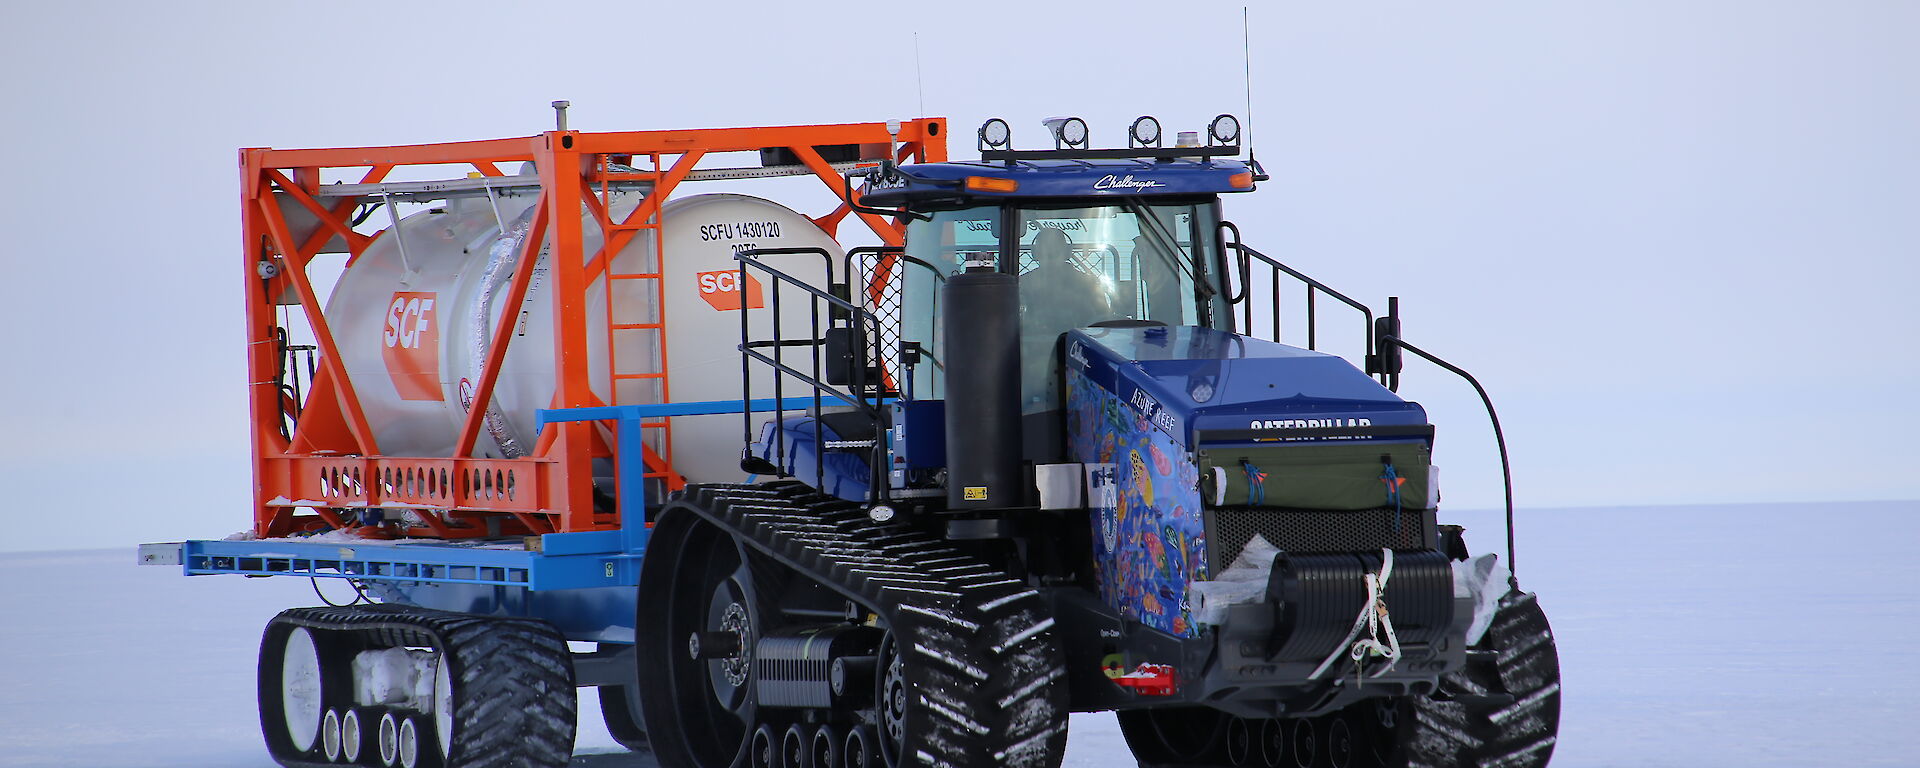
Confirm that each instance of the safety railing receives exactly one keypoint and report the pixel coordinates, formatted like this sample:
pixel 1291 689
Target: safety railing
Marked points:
pixel 1275 272
pixel 835 363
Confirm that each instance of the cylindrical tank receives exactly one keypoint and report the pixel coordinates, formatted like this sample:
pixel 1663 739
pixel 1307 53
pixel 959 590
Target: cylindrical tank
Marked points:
pixel 414 324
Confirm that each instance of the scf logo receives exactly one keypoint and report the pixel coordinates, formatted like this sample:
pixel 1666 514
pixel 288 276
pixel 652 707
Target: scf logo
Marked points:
pixel 725 291
pixel 409 319
pixel 411 346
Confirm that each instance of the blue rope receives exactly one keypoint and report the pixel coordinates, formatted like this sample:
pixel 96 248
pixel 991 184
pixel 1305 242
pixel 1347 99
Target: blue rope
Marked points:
pixel 1392 479
pixel 1256 483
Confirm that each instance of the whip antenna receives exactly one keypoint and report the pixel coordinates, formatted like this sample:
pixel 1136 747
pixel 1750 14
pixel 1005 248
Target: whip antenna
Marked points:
pixel 1246 61
pixel 919 89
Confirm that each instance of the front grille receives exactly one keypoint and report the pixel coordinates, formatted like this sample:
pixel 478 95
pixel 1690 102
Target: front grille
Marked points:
pixel 1314 530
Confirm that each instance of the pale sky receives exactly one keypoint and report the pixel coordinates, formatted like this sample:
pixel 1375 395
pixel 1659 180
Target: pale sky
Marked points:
pixel 1676 240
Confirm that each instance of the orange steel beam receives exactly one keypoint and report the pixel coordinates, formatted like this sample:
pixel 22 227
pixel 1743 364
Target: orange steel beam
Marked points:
pixel 746 139
pixel 503 331
pixel 491 150
pixel 329 218
pixel 558 160
pixel 890 233
pixel 296 270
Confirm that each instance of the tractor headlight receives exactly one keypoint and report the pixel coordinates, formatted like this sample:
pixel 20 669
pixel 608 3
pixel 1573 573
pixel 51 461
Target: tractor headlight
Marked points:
pixel 994 134
pixel 1145 131
pixel 1070 132
pixel 1225 129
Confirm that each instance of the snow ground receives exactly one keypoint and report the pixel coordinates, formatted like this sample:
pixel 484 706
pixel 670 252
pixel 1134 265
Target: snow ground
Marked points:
pixel 1740 635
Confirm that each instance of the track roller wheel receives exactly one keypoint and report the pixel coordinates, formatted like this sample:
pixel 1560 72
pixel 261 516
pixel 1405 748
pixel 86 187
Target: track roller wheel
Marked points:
pixel 389 739
pixel 353 738
pixel 824 752
pixel 1239 742
pixel 409 744
pixel 330 735
pixel 795 751
pixel 762 752
pixel 860 750
pixel 1303 741
pixel 1339 741
pixel 1273 743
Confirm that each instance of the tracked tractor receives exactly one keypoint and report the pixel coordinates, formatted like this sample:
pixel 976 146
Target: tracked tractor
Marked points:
pixel 1040 453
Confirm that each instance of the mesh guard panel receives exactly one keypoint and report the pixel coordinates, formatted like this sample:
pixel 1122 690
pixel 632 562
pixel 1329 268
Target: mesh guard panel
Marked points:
pixel 1314 530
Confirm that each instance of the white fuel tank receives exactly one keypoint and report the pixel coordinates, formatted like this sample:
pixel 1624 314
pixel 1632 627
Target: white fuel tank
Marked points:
pixel 414 324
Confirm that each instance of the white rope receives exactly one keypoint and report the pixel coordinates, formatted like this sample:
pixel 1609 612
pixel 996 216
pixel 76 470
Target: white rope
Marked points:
pixel 1374 619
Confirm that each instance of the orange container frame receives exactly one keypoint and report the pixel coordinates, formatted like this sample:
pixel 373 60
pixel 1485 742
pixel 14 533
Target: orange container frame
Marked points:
pixel 312 475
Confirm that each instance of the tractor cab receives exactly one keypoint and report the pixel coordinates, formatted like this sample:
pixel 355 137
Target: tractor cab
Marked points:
pixel 1095 237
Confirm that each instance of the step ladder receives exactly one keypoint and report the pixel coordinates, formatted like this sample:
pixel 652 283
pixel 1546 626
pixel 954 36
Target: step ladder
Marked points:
pixel 660 432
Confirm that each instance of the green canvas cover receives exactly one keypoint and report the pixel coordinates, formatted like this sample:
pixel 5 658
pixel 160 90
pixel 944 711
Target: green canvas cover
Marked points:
pixel 1337 476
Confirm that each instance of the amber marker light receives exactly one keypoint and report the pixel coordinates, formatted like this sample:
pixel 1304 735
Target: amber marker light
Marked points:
pixel 1242 180
pixel 991 184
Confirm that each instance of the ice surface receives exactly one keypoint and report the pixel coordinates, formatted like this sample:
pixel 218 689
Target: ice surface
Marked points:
pixel 1775 635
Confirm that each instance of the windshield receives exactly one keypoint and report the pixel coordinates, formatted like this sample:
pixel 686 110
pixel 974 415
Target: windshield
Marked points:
pixel 1079 265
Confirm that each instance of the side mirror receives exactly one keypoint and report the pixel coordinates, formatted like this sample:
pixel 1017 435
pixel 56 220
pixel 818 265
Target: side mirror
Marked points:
pixel 1385 361
pixel 1386 357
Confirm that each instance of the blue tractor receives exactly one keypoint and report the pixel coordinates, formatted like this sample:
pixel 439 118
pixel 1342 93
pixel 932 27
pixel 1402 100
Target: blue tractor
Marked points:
pixel 1065 476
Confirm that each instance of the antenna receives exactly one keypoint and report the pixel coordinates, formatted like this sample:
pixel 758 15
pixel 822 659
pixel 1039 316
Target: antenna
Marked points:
pixel 919 90
pixel 1246 61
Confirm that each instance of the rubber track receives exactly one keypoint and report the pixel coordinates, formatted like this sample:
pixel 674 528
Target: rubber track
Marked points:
pixel 979 652
pixel 622 718
pixel 514 699
pixel 1522 663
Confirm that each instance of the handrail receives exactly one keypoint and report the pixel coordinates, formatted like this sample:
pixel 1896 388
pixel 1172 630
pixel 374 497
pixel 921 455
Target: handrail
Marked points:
pixel 1499 437
pixel 866 399
pixel 1314 287
pixel 802 249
